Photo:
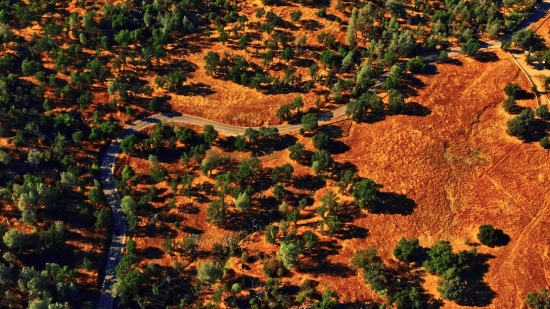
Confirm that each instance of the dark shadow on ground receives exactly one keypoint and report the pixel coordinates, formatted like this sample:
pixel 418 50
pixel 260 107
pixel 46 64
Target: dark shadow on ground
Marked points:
pixel 486 56
pixel 394 203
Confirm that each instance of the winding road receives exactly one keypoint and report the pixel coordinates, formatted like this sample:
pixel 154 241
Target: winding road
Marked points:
pixel 108 162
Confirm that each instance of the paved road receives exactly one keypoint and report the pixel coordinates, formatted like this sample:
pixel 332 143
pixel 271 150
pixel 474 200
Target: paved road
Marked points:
pixel 107 165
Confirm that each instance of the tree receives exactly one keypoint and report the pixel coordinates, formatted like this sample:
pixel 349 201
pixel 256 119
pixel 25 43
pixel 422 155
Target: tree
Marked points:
pixel 103 218
pixel 488 236
pixel 243 42
pixel 240 142
pixel 538 300
pixel 297 103
pixel 542 112
pixel 242 202
pixel 211 61
pixel 510 105
pixel 209 134
pixel 394 78
pixel 396 102
pixel 288 254
pixel 296 151
pixel 408 298
pixel 128 144
pixel 451 286
pixel 208 272
pixel 512 90
pixel 321 161
pixel 309 122
pixel 519 126
pixel 95 195
pixel 365 194
pixel 544 142
pixel 352 24
pixel 14 239
pixel 416 65
pixel 396 7
pixel 287 54
pixel 271 234
pixel 216 212
pixel 327 57
pixel 128 205
pixel 524 38
pixel 295 16
pixel 368 261
pixel 471 47
pixel 283 112
pixel 320 140
pixel 128 284
pixel 167 245
pixel 441 258
pixel 329 299
pixel 406 250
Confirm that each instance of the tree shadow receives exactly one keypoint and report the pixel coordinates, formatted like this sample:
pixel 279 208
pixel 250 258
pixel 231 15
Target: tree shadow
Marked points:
pixel 503 239
pixel 416 109
pixel 311 24
pixel 394 203
pixel 486 56
pixel 308 182
pixel 151 253
pixel 196 89
pixel 476 293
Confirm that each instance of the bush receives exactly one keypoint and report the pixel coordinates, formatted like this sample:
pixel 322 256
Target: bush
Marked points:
pixel 512 89
pixel 544 143
pixel 208 272
pixel 406 250
pixel 488 235
pixel 538 300
pixel 416 65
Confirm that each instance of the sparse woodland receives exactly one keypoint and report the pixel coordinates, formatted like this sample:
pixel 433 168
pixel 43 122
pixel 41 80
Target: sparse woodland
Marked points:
pixel 73 73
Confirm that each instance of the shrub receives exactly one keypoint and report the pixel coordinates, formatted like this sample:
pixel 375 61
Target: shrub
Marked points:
pixel 488 235
pixel 406 249
pixel 208 272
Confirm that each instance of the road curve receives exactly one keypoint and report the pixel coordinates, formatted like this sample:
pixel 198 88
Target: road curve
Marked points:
pixel 108 162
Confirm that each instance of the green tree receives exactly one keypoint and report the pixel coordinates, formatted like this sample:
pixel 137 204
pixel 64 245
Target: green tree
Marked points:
pixel 208 272
pixel 510 105
pixel 209 134
pixel 487 235
pixel 471 47
pixel 240 142
pixel 327 57
pixel 310 122
pixel 297 103
pixel 95 195
pixel 128 144
pixel 242 202
pixel 451 286
pixel 320 140
pixel 216 212
pixel 211 62
pixel 103 218
pixel 321 161
pixel 542 112
pixel 365 194
pixel 271 234
pixel 128 285
pixel 406 250
pixel 287 54
pixel 14 239
pixel 408 298
pixel 396 102
pixel 416 65
pixel 295 16
pixel 296 151
pixel 519 126
pixel 396 7
pixel 538 300
pixel 512 90
pixel 288 254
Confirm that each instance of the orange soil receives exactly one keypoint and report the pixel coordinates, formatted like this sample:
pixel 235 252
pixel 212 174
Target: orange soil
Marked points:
pixel 457 164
